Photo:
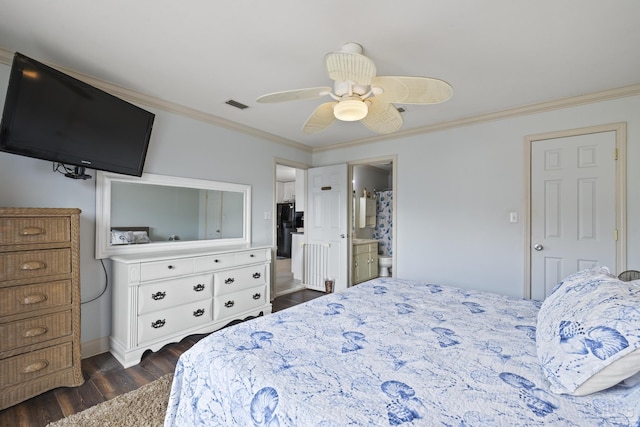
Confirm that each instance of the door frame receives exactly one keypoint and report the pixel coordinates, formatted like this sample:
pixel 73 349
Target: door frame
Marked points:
pixel 393 158
pixel 620 130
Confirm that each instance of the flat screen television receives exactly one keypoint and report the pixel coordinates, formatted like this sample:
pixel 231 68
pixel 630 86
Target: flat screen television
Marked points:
pixel 52 116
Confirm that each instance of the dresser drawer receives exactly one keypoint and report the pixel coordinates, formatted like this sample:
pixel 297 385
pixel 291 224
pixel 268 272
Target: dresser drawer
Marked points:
pixel 34 330
pixel 35 364
pixel 234 280
pixel 165 269
pixel 32 264
pixel 214 262
pixel 170 293
pixel 23 299
pixel 160 324
pixel 248 257
pixel 17 231
pixel 227 306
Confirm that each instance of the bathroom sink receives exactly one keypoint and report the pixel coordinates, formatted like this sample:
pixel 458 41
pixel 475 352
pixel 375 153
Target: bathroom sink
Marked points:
pixel 358 241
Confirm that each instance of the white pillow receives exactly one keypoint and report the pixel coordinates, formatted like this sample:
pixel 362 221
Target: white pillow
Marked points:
pixel 140 237
pixel 119 237
pixel 632 381
pixel 588 332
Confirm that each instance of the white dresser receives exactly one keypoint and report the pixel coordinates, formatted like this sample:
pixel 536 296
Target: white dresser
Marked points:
pixel 161 298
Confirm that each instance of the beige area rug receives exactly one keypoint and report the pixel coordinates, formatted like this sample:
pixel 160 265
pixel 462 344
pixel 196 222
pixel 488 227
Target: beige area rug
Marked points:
pixel 145 406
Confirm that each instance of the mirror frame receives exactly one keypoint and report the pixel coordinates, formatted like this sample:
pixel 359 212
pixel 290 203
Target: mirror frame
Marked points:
pixel 104 180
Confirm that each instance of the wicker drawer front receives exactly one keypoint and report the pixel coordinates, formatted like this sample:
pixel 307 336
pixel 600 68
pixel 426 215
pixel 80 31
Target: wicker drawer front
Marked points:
pixel 34 230
pixel 31 264
pixel 229 305
pixel 34 330
pixel 157 325
pixel 229 281
pixel 165 269
pixel 23 299
pixel 35 364
pixel 170 293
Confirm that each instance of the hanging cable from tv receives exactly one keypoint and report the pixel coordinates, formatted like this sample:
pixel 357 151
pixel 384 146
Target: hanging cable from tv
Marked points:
pixel 74 172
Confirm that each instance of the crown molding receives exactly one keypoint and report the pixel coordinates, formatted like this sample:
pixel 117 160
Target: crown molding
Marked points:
pixel 621 92
pixel 6 57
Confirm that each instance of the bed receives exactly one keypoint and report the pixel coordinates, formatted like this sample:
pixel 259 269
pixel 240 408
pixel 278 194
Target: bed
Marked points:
pixel 397 352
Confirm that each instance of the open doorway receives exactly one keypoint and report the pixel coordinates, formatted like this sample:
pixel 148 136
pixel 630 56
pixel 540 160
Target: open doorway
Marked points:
pixel 372 219
pixel 290 185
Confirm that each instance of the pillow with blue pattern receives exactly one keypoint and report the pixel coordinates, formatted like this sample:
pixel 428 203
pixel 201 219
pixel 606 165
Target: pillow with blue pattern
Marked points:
pixel 119 237
pixel 588 332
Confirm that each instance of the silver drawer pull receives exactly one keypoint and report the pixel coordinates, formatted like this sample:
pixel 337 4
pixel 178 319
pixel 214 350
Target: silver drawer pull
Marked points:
pixel 158 323
pixel 33 265
pixel 35 366
pixel 229 281
pixel 34 332
pixel 199 312
pixel 33 299
pixel 256 296
pixel 158 296
pixel 199 287
pixel 257 275
pixel 229 303
pixel 31 231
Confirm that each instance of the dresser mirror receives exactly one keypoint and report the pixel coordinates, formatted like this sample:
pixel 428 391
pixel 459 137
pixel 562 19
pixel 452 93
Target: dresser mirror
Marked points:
pixel 161 213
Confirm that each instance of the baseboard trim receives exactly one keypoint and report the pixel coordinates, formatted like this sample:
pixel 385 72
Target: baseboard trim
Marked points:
pixel 95 347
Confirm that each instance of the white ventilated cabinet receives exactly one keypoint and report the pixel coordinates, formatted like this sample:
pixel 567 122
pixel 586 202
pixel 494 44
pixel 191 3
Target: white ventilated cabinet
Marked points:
pixel 162 298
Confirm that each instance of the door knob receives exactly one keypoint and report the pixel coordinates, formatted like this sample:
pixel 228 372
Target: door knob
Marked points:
pixel 538 247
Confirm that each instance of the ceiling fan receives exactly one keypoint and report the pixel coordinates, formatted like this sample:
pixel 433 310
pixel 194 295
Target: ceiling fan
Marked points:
pixel 358 94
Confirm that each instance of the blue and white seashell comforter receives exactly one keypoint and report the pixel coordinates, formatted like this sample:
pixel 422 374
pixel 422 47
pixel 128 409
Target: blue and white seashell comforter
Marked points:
pixel 385 352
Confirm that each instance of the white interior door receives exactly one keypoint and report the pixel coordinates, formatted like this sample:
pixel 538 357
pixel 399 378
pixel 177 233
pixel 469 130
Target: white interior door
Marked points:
pixel 573 207
pixel 211 227
pixel 325 222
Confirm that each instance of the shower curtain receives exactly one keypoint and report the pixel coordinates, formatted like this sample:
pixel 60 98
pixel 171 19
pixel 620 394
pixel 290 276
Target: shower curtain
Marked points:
pixel 384 222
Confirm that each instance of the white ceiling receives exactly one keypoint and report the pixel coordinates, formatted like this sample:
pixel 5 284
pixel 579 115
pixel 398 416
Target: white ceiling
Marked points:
pixel 497 54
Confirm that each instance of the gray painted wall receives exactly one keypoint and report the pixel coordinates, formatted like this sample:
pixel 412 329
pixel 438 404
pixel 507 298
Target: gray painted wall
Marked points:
pixel 455 189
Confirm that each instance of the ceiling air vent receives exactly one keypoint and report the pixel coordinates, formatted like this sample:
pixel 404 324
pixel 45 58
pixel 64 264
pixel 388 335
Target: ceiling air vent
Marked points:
pixel 236 104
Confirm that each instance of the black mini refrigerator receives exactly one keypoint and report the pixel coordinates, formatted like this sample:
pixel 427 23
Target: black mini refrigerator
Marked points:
pixel 285 225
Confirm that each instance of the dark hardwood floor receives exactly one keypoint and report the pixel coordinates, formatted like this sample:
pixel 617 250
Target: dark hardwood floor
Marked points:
pixel 105 378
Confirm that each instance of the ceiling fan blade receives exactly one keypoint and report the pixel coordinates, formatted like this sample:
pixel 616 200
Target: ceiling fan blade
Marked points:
pixel 412 90
pixel 320 119
pixel 295 95
pixel 382 117
pixel 350 66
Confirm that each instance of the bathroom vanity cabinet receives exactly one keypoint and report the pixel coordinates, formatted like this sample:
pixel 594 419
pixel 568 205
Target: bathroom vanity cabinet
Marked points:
pixel 161 298
pixel 365 260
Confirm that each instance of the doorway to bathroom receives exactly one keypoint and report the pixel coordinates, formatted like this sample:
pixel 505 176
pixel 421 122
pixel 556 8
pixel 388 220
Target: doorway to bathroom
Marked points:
pixel 372 217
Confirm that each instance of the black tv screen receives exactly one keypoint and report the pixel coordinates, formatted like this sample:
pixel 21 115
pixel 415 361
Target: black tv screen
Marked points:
pixel 52 116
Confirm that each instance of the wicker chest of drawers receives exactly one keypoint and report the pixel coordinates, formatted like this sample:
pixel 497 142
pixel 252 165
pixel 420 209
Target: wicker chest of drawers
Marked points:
pixel 39 302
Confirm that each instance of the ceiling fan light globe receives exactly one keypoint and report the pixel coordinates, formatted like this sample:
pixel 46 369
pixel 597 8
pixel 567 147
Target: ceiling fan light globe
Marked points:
pixel 350 110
